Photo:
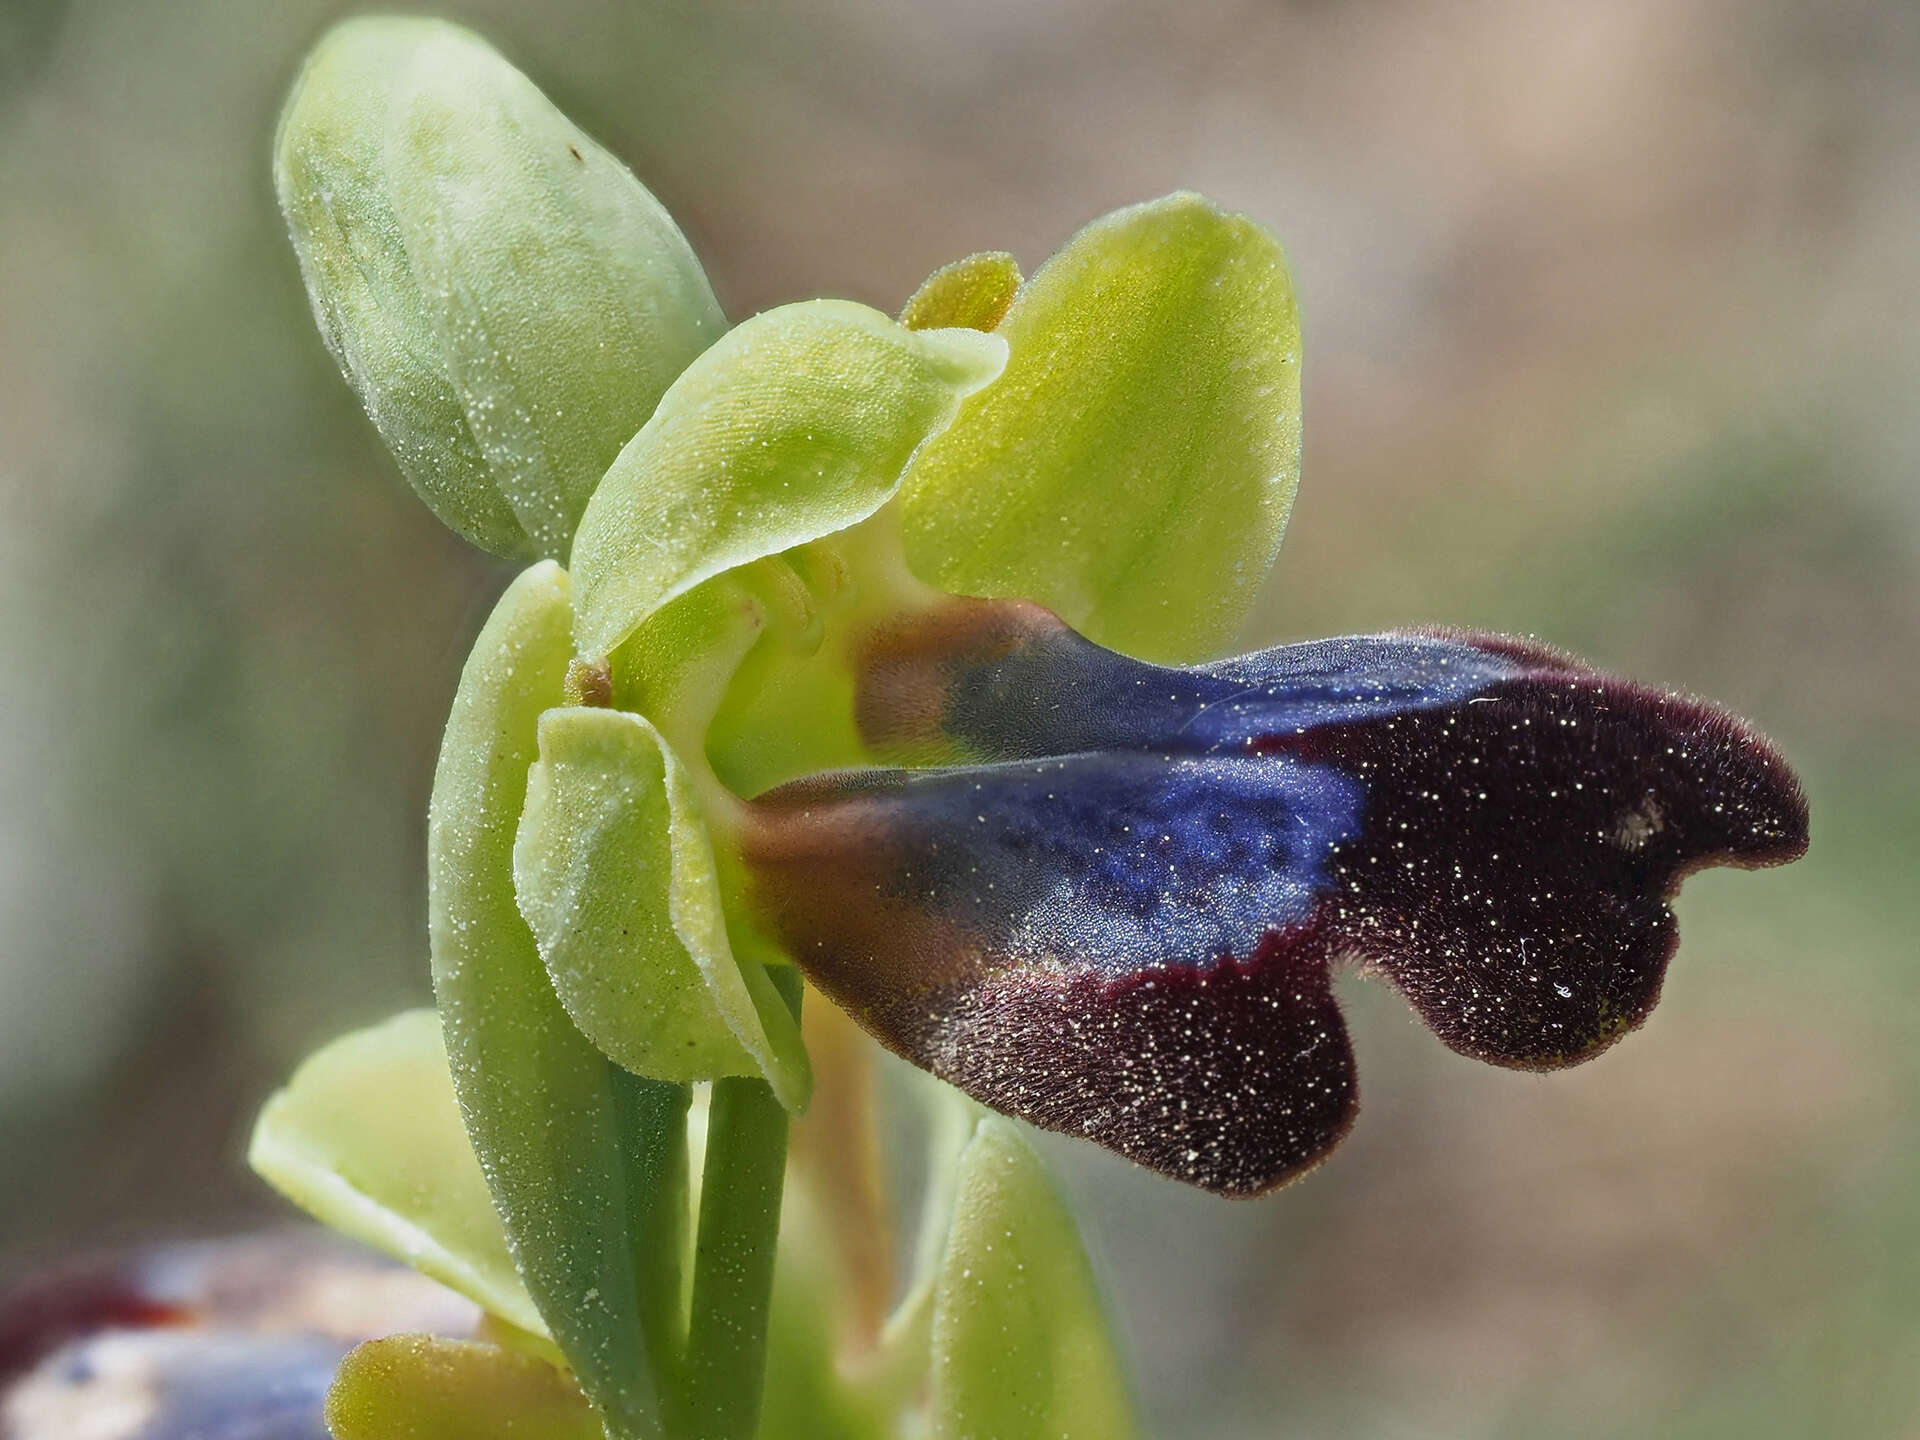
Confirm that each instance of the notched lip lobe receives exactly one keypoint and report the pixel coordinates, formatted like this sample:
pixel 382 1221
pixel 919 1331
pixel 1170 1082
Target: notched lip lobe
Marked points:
pixel 1722 789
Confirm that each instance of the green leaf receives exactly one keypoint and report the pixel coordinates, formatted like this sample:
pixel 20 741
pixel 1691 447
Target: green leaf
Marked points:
pixel 974 292
pixel 368 1138
pixel 1021 1349
pixel 580 1156
pixel 1133 468
pixel 420 1387
pixel 796 425
pixel 506 299
pixel 616 877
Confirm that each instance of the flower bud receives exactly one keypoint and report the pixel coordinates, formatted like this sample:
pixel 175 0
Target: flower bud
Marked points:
pixel 506 299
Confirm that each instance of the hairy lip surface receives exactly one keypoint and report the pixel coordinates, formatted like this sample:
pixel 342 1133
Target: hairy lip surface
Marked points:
pixel 1121 924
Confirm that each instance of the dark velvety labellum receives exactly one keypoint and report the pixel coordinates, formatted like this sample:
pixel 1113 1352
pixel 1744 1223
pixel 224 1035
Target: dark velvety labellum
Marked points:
pixel 1121 925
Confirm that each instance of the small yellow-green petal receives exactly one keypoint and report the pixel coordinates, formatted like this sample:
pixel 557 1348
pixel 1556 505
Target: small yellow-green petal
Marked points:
pixel 797 424
pixel 615 874
pixel 368 1138
pixel 1133 468
pixel 566 1138
pixel 973 292
pixel 421 1387
pixel 506 299
pixel 1021 1348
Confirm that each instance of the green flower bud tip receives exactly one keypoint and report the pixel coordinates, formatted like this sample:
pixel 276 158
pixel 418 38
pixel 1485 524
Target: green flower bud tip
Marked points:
pixel 508 302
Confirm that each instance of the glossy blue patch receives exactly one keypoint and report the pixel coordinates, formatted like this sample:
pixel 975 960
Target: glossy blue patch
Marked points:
pixel 1052 692
pixel 1330 682
pixel 1120 861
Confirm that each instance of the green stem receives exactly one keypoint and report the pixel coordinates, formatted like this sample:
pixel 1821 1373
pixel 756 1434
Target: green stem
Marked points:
pixel 740 1192
pixel 653 1152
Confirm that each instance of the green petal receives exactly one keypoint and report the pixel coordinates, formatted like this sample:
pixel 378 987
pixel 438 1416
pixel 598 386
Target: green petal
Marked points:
pixel 973 292
pixel 581 1157
pixel 1133 468
pixel 1021 1349
pixel 368 1138
pixel 507 300
pixel 420 1387
pixel 796 425
pixel 616 877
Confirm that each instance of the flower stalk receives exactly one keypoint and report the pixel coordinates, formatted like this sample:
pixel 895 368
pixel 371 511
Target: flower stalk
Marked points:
pixel 740 1199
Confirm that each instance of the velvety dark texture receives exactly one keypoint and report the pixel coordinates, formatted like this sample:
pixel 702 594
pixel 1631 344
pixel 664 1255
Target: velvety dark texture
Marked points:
pixel 1121 924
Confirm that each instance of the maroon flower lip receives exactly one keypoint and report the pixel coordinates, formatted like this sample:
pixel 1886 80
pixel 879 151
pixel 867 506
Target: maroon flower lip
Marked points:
pixel 1122 921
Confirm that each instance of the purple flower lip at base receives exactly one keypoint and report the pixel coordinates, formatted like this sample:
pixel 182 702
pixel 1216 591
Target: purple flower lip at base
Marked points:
pixel 1121 923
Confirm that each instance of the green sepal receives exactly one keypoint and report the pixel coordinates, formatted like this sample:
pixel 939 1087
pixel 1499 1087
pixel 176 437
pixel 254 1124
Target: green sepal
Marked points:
pixel 1133 468
pixel 368 1138
pixel 582 1158
pixel 508 301
pixel 1021 1347
pixel 973 292
pixel 797 424
pixel 950 1119
pixel 421 1387
pixel 615 874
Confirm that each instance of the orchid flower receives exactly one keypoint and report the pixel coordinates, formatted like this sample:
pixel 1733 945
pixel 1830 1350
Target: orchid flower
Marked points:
pixel 882 657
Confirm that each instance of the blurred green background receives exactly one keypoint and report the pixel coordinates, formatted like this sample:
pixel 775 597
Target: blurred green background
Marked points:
pixel 1611 337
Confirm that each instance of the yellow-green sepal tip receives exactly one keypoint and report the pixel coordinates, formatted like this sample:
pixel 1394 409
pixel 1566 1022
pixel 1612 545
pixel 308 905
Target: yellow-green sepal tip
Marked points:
pixel 973 292
pixel 1133 468
pixel 423 1387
